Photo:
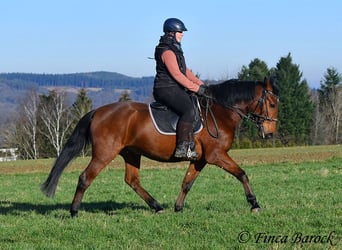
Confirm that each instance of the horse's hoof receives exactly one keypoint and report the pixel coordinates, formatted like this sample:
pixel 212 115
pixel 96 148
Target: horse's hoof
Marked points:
pixel 73 213
pixel 255 210
pixel 159 211
pixel 178 209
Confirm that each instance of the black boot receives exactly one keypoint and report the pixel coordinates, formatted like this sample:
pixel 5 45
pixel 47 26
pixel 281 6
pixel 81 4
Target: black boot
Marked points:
pixel 185 145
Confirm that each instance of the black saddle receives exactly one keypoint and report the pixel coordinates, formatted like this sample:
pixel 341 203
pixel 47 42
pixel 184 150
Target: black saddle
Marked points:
pixel 165 120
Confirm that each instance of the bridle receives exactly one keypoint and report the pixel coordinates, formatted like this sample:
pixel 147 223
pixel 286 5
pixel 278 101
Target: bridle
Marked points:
pixel 260 118
pixel 263 116
pixel 257 118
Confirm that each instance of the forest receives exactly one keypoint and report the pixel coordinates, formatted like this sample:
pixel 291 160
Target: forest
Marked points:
pixel 39 111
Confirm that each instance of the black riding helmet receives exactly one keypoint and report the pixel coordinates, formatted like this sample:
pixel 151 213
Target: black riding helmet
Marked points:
pixel 173 25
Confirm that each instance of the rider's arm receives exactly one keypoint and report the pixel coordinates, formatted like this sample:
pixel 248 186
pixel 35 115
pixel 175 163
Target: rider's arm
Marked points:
pixel 192 77
pixel 170 60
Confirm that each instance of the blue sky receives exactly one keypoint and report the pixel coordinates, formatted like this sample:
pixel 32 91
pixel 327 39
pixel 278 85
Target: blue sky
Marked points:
pixel 68 36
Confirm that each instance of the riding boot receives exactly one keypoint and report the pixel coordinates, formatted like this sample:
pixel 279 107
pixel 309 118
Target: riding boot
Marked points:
pixel 192 145
pixel 185 144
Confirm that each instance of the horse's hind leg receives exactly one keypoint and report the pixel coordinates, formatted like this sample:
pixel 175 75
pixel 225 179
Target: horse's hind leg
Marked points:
pixel 85 179
pixel 132 163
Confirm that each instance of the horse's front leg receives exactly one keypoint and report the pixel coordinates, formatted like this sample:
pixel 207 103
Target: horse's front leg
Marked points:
pixel 251 198
pixel 189 179
pixel 228 164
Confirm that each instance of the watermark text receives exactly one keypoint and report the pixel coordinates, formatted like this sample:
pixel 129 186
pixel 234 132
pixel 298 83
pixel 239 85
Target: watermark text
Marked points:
pixel 294 238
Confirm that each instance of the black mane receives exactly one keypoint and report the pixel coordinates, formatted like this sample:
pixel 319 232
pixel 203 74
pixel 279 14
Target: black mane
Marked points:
pixel 233 91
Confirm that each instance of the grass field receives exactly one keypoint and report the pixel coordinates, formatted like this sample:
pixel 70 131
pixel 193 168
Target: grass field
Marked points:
pixel 299 190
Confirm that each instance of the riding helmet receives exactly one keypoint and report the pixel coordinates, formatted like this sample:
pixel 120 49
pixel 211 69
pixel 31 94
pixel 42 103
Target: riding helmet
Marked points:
pixel 174 25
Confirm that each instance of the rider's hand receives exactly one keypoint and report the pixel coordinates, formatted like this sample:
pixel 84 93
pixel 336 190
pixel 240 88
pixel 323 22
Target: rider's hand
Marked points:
pixel 203 91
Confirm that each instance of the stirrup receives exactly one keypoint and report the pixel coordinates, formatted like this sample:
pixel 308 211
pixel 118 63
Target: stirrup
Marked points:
pixel 191 154
pixel 185 150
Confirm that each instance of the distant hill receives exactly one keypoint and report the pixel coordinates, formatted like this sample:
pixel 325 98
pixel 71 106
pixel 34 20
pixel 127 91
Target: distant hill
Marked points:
pixel 102 87
pixel 12 85
pixel 83 80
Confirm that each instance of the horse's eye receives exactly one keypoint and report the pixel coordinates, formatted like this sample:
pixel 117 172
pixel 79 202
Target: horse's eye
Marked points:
pixel 272 105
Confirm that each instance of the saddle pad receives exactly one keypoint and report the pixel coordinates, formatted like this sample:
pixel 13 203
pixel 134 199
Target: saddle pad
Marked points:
pixel 165 120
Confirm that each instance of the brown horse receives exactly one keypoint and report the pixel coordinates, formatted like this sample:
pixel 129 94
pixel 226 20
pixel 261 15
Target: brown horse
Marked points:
pixel 126 129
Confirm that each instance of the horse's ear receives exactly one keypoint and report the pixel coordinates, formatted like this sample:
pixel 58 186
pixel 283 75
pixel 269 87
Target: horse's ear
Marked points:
pixel 268 84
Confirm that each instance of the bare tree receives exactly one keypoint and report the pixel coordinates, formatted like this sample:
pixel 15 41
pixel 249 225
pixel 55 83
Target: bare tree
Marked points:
pixel 319 129
pixel 330 99
pixel 22 132
pixel 29 110
pixel 56 118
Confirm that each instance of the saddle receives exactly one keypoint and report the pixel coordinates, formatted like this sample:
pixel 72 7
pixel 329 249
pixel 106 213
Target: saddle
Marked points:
pixel 165 120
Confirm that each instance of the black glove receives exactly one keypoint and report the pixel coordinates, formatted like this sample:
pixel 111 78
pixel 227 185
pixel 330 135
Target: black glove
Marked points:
pixel 203 91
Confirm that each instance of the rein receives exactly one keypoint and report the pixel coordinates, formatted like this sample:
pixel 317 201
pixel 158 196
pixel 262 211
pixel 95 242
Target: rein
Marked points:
pixel 207 107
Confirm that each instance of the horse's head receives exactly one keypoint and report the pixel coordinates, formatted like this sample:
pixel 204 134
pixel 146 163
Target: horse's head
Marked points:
pixel 264 108
pixel 254 100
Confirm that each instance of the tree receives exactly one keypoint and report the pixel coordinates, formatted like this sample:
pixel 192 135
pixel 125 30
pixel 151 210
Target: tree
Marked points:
pixel 29 115
pixel 330 95
pixel 124 96
pixel 55 118
pixel 318 133
pixel 82 105
pixel 13 136
pixel 295 107
pixel 23 132
pixel 257 70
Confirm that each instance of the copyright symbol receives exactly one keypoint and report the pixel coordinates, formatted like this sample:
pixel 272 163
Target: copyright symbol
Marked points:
pixel 244 237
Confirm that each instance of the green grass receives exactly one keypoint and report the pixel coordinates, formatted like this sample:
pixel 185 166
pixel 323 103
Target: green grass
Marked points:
pixel 296 198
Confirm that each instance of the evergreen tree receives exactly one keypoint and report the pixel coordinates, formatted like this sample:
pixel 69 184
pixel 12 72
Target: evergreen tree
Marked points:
pixel 125 96
pixel 82 105
pixel 257 70
pixel 295 107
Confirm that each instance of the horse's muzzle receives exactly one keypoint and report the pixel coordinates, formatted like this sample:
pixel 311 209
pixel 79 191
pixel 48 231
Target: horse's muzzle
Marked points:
pixel 263 134
pixel 268 136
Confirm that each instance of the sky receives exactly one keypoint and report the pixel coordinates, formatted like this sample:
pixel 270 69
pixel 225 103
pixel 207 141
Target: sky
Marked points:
pixel 69 36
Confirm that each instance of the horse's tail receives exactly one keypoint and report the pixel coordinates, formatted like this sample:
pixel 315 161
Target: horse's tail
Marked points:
pixel 78 140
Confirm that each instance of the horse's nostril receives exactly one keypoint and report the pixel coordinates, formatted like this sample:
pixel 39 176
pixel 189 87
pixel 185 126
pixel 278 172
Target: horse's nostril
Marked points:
pixel 269 136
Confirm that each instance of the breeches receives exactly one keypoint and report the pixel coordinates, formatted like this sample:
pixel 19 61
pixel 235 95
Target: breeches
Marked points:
pixel 178 100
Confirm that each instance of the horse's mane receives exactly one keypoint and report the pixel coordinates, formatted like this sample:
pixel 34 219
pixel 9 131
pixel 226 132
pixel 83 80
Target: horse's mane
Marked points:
pixel 233 91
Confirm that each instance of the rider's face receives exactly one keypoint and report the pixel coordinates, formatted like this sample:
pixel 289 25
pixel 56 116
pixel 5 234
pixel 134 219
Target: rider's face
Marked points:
pixel 179 36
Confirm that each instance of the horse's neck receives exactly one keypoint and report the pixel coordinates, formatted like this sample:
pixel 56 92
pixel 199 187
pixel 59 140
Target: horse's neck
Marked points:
pixel 232 115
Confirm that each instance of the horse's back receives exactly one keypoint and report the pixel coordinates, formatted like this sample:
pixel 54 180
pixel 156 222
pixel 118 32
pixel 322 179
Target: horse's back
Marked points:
pixel 121 117
pixel 123 109
pixel 129 125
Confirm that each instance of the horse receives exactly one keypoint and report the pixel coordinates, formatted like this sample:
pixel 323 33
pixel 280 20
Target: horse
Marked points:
pixel 126 129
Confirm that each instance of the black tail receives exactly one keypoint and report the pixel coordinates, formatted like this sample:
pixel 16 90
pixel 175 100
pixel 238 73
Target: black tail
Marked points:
pixel 78 140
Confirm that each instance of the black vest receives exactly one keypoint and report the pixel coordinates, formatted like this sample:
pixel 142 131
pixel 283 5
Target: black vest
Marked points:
pixel 163 77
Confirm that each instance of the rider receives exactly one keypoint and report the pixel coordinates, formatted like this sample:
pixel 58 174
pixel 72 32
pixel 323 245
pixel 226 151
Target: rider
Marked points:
pixel 173 84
